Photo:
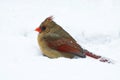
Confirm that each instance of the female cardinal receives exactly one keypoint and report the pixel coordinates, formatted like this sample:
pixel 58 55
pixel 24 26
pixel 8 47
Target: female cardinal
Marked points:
pixel 55 42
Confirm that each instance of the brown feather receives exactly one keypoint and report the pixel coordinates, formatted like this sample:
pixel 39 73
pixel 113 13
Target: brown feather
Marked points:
pixel 66 45
pixel 55 42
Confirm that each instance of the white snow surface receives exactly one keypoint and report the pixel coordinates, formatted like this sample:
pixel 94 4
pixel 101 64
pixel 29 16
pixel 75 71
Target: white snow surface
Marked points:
pixel 95 24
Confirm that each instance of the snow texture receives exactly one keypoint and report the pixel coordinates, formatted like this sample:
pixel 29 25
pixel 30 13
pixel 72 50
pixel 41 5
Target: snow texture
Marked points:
pixel 95 24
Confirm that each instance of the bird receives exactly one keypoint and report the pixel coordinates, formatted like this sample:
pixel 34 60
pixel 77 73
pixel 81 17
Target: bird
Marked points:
pixel 55 42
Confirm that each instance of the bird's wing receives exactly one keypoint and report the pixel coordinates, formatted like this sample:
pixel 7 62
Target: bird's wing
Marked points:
pixel 65 45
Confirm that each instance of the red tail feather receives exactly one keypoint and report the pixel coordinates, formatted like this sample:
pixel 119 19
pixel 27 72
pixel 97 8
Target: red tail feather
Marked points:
pixel 100 58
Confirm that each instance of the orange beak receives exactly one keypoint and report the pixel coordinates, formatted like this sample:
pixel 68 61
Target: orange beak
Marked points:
pixel 38 29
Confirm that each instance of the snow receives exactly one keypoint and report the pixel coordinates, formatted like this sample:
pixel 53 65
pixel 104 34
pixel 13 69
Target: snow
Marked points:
pixel 93 23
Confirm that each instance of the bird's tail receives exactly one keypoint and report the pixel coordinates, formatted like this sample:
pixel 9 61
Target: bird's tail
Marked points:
pixel 98 57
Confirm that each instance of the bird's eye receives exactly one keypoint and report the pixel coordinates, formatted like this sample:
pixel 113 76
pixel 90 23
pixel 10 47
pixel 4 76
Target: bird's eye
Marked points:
pixel 43 28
